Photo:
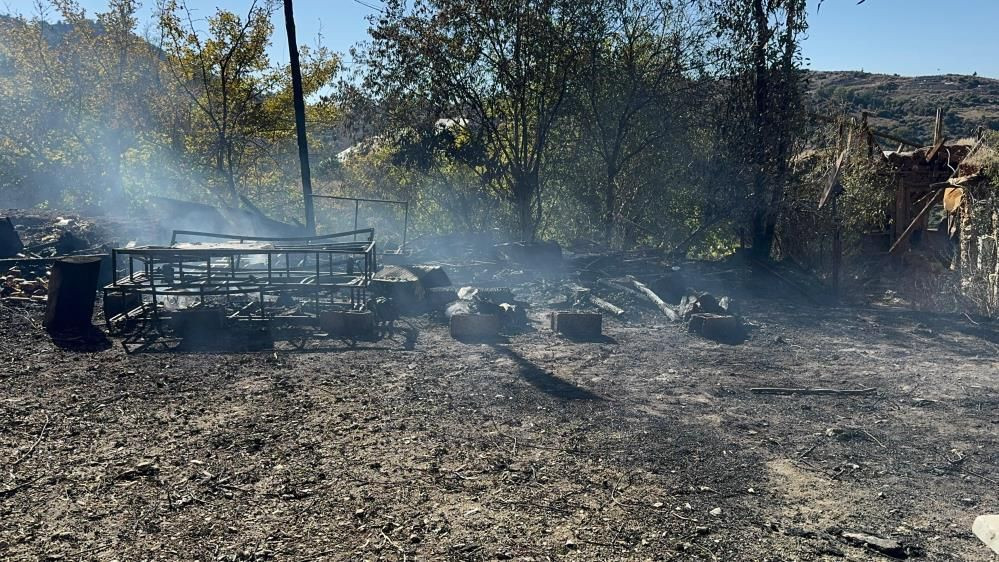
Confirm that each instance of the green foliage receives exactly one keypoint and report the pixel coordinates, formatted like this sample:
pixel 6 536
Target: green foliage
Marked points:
pixel 500 70
pixel 668 124
pixel 94 116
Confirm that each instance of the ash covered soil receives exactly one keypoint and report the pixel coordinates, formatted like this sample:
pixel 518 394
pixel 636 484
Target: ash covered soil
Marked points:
pixel 648 445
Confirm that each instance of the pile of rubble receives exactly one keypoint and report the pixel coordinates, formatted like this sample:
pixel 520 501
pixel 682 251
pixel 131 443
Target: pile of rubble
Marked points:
pixel 580 289
pixel 30 243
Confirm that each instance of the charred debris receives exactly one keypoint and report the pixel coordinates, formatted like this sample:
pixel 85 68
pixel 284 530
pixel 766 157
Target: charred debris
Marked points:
pixel 209 290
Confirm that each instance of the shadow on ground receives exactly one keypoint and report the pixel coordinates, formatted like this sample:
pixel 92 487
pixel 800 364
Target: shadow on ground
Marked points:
pixel 545 381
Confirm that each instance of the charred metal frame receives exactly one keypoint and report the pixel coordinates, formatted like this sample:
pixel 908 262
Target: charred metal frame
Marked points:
pixel 357 208
pixel 312 271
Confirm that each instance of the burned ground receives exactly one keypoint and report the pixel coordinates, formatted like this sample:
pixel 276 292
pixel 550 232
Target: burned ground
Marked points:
pixel 531 448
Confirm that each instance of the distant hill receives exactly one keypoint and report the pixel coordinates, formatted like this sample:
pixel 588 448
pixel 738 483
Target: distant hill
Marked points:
pixel 906 106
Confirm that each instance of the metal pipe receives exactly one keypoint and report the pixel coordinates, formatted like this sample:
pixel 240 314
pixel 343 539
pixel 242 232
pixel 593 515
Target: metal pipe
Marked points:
pixel 405 228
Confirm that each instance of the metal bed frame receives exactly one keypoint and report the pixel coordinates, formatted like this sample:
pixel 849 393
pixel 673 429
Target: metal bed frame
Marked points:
pixel 310 275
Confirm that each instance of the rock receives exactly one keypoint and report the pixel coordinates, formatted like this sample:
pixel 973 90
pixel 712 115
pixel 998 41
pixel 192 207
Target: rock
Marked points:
pixel 986 528
pixel 887 547
pixel 723 328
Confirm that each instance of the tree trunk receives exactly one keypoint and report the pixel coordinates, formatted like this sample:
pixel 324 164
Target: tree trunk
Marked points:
pixel 761 240
pixel 524 190
pixel 610 201
pixel 762 234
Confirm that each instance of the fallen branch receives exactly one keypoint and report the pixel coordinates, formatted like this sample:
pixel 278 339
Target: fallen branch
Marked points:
pixel 652 296
pixel 832 391
pixel 606 306
pixel 35 444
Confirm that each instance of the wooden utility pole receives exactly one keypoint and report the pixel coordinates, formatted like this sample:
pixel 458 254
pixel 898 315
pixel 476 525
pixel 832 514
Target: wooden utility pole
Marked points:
pixel 303 141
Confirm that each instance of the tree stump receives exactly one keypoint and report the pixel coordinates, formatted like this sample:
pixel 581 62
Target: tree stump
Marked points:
pixel 72 291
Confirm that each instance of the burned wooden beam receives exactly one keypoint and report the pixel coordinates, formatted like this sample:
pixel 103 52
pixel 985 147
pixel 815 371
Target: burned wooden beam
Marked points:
pixel 902 238
pixel 936 148
pixel 606 306
pixel 652 296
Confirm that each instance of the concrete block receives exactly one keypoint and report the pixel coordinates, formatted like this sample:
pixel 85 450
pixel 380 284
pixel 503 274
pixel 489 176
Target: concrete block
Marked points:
pixel 347 323
pixel 577 324
pixel 474 326
pixel 723 328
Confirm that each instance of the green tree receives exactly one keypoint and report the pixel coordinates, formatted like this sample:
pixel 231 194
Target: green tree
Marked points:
pixel 240 105
pixel 500 69
pixel 225 72
pixel 761 117
pixel 76 97
pixel 637 58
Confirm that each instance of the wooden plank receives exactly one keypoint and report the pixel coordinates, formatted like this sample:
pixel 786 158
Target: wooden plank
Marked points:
pixel 936 148
pixel 815 391
pixel 834 177
pixel 606 306
pixel 938 128
pixel 900 242
pixel 13 262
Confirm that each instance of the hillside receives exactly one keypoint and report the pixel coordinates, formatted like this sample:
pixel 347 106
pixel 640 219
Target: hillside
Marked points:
pixel 906 106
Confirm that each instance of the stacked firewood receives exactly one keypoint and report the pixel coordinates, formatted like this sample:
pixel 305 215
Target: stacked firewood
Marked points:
pixel 24 285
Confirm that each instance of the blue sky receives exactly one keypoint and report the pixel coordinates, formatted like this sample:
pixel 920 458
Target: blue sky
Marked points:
pixel 908 37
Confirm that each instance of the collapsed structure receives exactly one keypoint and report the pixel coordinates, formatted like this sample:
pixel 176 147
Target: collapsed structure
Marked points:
pixel 945 210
